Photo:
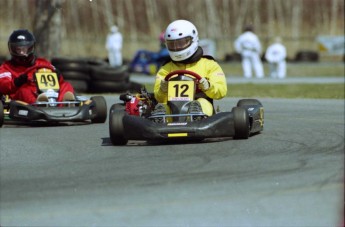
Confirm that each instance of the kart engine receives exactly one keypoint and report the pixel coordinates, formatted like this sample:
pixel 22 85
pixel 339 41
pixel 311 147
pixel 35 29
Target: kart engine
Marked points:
pixel 140 104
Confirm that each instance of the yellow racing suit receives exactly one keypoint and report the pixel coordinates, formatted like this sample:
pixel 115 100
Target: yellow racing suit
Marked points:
pixel 205 67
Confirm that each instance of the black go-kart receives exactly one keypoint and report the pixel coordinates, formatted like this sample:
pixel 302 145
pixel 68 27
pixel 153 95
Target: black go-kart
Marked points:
pixel 82 109
pixel 134 118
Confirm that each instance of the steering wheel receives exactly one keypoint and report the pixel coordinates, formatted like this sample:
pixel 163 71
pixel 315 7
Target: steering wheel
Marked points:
pixel 183 72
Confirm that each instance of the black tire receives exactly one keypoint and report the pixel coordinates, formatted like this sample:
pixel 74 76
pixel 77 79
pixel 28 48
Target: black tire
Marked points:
pixel 256 113
pixel 116 128
pixel 2 115
pixel 108 86
pixel 233 57
pixel 241 123
pixel 74 75
pixel 307 56
pixel 96 62
pixel 248 102
pixel 100 111
pixel 79 86
pixel 66 60
pixel 107 73
pixel 74 66
pixel 3 58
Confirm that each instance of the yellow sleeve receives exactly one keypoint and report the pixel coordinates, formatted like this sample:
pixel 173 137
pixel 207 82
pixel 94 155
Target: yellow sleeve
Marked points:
pixel 216 77
pixel 159 95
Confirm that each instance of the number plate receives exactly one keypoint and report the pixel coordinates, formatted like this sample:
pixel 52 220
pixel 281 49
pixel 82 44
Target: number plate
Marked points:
pixel 47 80
pixel 181 90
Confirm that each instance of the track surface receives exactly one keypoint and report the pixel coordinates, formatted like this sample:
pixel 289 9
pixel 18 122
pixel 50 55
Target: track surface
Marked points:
pixel 290 175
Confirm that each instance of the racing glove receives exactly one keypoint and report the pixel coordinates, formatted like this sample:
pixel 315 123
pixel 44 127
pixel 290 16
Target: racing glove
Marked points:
pixel 20 80
pixel 204 85
pixel 164 86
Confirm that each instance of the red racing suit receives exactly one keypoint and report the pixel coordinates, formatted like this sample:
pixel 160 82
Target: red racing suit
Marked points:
pixel 28 91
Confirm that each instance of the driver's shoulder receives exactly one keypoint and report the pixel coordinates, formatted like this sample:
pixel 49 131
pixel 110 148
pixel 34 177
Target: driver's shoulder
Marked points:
pixel 209 57
pixel 42 61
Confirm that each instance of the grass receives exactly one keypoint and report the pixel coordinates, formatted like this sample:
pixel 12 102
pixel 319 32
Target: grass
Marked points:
pixel 312 91
pixel 324 69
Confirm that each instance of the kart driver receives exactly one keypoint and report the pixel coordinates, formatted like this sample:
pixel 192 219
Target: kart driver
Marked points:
pixel 181 39
pixel 17 74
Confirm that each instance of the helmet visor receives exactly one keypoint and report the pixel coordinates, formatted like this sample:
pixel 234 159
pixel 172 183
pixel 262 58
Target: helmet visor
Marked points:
pixel 19 50
pixel 179 44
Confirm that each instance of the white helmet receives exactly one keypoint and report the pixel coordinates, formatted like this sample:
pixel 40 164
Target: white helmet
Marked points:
pixel 181 39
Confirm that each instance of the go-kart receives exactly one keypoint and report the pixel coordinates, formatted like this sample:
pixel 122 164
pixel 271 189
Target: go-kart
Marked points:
pixel 81 109
pixel 135 118
pixel 148 62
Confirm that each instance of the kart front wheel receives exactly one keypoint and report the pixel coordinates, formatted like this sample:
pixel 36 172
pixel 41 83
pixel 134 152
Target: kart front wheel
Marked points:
pixel 241 123
pixel 116 129
pixel 100 110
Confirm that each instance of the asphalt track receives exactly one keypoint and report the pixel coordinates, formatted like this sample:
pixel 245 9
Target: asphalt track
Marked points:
pixel 292 174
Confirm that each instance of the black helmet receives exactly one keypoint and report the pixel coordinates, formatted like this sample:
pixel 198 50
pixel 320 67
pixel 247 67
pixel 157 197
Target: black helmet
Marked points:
pixel 21 45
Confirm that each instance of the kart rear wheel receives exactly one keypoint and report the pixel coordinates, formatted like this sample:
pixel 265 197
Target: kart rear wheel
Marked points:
pixel 100 112
pixel 116 130
pixel 241 123
pixel 2 115
pixel 256 114
pixel 248 102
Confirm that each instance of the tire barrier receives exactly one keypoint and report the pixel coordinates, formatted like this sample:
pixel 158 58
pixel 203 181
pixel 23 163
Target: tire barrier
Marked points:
pixel 233 57
pixel 107 73
pixel 95 75
pixel 307 56
pixel 75 71
pixel 3 59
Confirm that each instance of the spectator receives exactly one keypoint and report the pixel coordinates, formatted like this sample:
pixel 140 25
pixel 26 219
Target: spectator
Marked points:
pixel 249 46
pixel 17 75
pixel 114 46
pixel 275 56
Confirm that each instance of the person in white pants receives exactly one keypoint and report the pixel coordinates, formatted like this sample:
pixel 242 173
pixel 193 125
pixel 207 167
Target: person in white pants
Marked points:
pixel 276 58
pixel 114 46
pixel 249 46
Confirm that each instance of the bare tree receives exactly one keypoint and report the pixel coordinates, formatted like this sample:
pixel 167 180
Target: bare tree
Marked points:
pixel 83 24
pixel 47 26
pixel 270 12
pixel 132 20
pixel 213 24
pixel 108 13
pixel 334 16
pixel 151 8
pixel 296 18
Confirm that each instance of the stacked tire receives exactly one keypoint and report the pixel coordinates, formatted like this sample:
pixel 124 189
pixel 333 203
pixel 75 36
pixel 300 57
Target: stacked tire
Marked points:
pixel 95 75
pixel 75 71
pixel 307 56
pixel 109 79
pixel 3 59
